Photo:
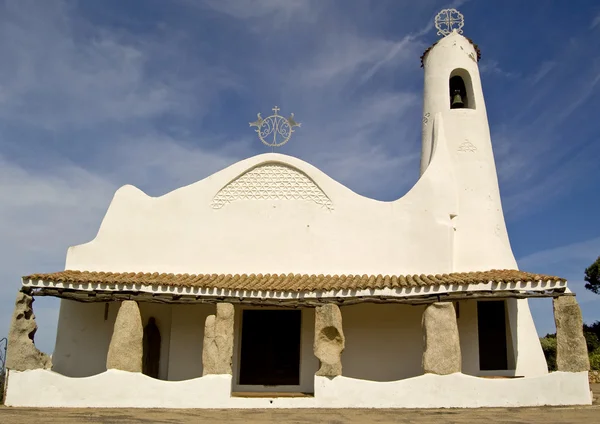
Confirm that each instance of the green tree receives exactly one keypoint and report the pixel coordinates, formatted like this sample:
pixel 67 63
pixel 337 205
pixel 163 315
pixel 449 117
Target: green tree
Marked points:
pixel 592 328
pixel 592 277
pixel 590 332
pixel 549 347
pixel 591 340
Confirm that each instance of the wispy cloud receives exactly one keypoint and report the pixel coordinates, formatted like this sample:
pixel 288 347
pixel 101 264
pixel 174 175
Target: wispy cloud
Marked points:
pixel 595 22
pixel 539 161
pixel 543 70
pixel 493 67
pixel 568 262
pixel 40 217
pixel 279 11
pixel 343 55
pixel 56 75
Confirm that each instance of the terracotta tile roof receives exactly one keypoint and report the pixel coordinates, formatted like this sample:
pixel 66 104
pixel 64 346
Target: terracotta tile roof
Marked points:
pixel 291 282
pixel 475 46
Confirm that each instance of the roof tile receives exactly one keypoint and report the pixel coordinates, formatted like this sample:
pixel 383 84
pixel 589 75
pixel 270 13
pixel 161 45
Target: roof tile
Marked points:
pixel 291 282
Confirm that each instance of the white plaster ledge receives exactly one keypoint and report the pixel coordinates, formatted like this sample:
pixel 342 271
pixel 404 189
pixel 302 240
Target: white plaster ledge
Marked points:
pixel 455 391
pixel 114 388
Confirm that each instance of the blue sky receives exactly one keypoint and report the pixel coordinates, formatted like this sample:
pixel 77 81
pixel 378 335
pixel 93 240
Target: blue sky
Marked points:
pixel 95 95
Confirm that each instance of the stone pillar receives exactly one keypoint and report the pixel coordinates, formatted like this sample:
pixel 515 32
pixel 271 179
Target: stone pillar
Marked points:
pixel 126 348
pixel 22 354
pixel 571 348
pixel 441 345
pixel 329 340
pixel 217 350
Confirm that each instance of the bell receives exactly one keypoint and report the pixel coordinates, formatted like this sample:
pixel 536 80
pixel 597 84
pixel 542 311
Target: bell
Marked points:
pixel 457 102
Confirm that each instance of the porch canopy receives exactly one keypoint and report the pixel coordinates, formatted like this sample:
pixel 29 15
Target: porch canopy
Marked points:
pixel 293 289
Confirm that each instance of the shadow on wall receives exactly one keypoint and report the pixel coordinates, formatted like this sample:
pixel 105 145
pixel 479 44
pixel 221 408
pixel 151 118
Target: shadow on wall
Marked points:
pixel 383 342
pixel 174 338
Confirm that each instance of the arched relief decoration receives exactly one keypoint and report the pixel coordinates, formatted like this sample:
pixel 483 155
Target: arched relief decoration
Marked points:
pixel 275 181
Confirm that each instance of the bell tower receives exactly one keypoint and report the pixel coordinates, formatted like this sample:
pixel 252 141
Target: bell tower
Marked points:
pixel 453 92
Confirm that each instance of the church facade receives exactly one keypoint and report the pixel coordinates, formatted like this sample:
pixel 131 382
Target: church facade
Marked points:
pixel 270 285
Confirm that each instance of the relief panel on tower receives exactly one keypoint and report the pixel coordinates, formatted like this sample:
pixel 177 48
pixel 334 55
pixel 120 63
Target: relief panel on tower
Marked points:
pixel 272 181
pixel 467 147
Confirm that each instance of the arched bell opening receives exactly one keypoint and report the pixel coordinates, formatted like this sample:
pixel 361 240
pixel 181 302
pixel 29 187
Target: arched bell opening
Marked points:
pixel 461 90
pixel 152 341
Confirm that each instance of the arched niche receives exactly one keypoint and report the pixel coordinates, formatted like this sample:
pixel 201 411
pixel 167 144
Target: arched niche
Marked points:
pixel 461 87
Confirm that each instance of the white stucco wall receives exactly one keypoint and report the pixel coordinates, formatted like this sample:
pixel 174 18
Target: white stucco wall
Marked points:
pixel 481 239
pixel 162 316
pixel 525 355
pixel 83 337
pixel 183 231
pixel 187 338
pixel 383 342
pixel 529 356
pixel 123 389
pixel 468 336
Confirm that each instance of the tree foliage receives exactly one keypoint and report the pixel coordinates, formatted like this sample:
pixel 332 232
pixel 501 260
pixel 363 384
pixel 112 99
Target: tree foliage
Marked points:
pixel 549 347
pixel 592 339
pixel 592 328
pixel 592 277
pixel 595 360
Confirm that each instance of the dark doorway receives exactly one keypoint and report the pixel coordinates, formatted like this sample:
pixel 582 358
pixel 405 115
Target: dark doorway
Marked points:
pixel 151 358
pixel 270 353
pixel 491 323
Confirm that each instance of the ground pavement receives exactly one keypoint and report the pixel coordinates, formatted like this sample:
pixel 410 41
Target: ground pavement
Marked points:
pixel 545 415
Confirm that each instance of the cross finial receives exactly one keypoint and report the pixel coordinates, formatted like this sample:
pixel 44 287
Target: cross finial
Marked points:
pixel 275 130
pixel 449 20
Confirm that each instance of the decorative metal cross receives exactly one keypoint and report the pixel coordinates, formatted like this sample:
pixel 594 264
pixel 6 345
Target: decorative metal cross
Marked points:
pixel 275 130
pixel 449 20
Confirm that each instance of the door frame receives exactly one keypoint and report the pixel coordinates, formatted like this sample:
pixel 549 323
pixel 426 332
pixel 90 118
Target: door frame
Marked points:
pixel 306 363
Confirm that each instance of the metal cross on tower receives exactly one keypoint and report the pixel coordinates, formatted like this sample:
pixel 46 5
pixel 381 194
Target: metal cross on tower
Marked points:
pixel 449 20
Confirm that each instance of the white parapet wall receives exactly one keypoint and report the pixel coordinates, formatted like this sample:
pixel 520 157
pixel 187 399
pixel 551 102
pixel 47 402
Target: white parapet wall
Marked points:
pixel 119 389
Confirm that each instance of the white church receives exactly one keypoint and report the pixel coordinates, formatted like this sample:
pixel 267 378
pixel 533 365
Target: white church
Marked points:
pixel 271 285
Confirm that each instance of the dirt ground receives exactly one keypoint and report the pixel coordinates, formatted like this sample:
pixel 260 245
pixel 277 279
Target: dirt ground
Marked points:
pixel 546 415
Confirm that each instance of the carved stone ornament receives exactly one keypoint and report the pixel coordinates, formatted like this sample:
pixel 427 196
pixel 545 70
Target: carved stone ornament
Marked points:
pixel 467 147
pixel 272 181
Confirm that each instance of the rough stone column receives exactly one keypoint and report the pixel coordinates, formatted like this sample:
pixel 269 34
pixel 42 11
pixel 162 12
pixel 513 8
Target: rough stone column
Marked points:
pixel 441 345
pixel 571 348
pixel 22 354
pixel 217 349
pixel 329 340
pixel 127 343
